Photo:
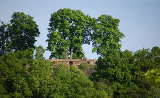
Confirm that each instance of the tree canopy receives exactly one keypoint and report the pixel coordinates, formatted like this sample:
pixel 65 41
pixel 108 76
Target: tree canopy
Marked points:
pixel 106 35
pixel 39 52
pixel 23 77
pixel 4 39
pixel 23 31
pixel 68 30
pixel 19 34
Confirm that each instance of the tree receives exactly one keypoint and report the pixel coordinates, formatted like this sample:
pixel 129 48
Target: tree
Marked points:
pixel 5 39
pixel 39 52
pixel 155 52
pixel 68 30
pixel 143 60
pixel 23 77
pixel 23 30
pixel 112 65
pixel 106 36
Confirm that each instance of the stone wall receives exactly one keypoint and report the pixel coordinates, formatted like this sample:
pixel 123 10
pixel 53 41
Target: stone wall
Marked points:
pixel 73 62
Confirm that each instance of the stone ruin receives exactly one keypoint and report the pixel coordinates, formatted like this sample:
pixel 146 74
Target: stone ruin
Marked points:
pixel 73 62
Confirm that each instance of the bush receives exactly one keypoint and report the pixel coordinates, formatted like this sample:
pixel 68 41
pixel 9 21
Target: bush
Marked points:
pixel 87 68
pixel 23 77
pixel 28 78
pixel 73 83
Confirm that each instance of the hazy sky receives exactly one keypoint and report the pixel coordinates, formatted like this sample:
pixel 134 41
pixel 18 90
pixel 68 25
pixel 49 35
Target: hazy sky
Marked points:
pixel 140 19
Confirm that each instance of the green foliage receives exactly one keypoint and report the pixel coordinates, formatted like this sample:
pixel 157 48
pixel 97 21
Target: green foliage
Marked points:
pixel 102 86
pixel 123 71
pixel 72 83
pixel 40 79
pixel 87 68
pixel 23 31
pixel 84 66
pixel 130 75
pixel 19 34
pixel 153 76
pixel 115 72
pixel 13 74
pixel 112 66
pixel 143 60
pixel 4 39
pixel 106 35
pixel 118 74
pixel 68 30
pixel 22 77
pixel 39 52
pixel 155 52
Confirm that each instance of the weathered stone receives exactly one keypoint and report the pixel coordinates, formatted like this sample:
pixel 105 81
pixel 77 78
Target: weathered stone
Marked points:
pixel 73 62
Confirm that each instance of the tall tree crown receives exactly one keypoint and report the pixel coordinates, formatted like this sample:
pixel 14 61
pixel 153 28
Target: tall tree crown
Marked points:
pixel 23 30
pixel 68 30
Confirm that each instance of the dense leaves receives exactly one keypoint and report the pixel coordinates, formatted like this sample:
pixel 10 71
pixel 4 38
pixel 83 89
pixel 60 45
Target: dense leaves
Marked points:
pixel 130 75
pixel 68 30
pixel 24 77
pixel 106 35
pixel 72 83
pixel 18 34
pixel 4 39
pixel 39 51
pixel 23 31
pixel 13 75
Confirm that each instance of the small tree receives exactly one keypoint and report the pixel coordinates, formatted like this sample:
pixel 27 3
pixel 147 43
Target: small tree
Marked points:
pixel 39 52
pixel 5 39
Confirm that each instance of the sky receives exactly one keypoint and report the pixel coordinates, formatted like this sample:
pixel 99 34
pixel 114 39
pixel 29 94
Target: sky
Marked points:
pixel 139 19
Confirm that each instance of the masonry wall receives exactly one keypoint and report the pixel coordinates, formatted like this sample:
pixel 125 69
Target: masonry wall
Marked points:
pixel 73 62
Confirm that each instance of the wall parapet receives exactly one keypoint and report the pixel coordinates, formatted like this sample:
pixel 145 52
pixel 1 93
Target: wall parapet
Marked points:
pixel 74 62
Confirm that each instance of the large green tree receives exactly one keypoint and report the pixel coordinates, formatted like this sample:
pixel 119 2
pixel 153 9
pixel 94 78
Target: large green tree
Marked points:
pixel 19 34
pixel 106 42
pixel 23 30
pixel 68 30
pixel 106 35
pixel 112 67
